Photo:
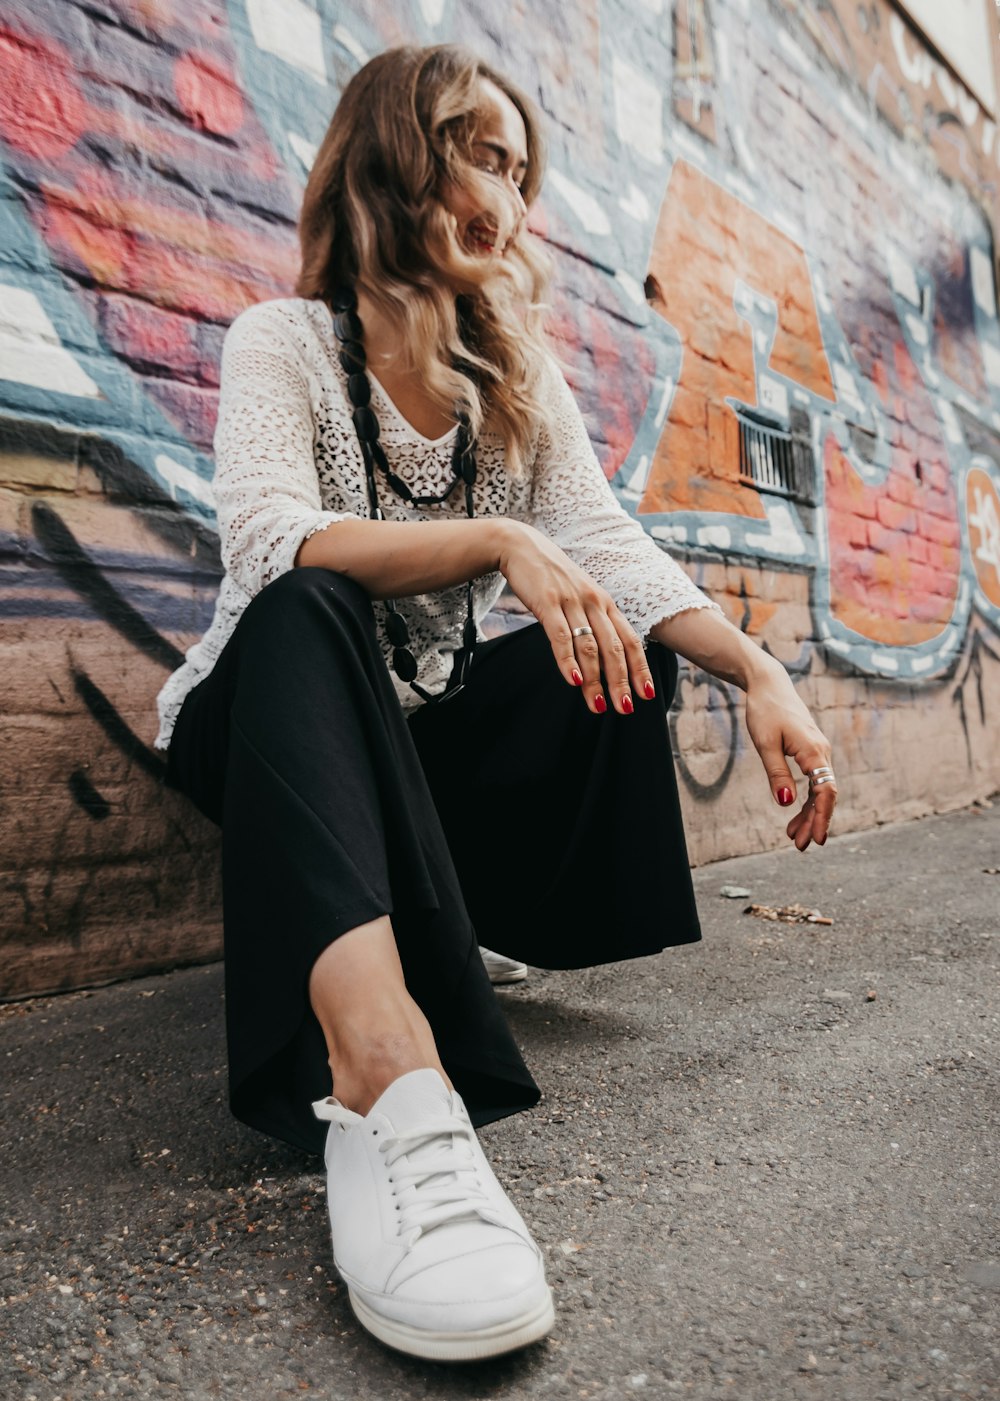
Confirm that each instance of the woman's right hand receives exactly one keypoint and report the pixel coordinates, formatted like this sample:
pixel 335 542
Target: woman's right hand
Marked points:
pixel 563 597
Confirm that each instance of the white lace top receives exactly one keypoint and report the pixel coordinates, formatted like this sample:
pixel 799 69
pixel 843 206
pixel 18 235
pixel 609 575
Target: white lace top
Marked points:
pixel 288 463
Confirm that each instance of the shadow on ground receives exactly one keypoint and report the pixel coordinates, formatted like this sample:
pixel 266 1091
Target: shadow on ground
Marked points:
pixel 764 1165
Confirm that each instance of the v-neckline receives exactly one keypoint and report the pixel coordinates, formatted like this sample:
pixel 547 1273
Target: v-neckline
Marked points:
pixel 380 388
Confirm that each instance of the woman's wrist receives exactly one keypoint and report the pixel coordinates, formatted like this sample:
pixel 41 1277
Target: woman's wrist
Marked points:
pixel 761 666
pixel 509 535
pixel 710 641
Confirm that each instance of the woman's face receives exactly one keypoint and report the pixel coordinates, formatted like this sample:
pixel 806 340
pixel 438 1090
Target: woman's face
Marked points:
pixel 500 151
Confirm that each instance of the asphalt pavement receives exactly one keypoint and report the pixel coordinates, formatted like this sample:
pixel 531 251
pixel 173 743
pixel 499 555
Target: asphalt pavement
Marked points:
pixel 764 1166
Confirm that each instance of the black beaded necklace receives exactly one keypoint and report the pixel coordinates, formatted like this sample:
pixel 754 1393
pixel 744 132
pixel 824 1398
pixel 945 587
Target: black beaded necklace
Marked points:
pixel 349 331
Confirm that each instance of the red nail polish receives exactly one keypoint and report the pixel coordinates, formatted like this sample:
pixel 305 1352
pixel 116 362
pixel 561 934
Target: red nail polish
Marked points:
pixel 577 678
pixel 650 689
pixel 785 796
pixel 627 705
pixel 600 704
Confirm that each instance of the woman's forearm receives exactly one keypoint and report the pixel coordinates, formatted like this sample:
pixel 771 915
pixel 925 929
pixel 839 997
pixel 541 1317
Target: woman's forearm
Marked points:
pixel 709 640
pixel 395 559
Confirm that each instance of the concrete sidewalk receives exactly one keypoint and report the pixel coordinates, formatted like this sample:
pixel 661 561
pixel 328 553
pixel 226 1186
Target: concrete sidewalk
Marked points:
pixel 764 1166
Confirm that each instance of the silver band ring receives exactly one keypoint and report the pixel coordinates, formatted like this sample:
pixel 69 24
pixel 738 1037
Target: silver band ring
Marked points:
pixel 815 773
pixel 827 778
pixel 583 632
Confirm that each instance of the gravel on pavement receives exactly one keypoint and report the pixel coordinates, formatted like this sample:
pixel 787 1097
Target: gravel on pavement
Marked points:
pixel 764 1166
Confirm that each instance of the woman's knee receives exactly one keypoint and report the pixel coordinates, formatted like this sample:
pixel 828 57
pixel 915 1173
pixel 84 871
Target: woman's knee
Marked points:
pixel 299 590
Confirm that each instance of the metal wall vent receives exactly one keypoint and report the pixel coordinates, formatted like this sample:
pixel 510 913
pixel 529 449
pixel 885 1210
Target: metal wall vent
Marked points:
pixel 776 459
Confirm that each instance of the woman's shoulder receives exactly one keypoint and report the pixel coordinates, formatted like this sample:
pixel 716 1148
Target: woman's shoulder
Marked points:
pixel 295 321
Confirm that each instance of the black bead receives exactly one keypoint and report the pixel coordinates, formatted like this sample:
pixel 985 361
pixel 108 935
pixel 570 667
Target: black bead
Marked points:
pixel 349 332
pixel 347 325
pixel 359 389
pixel 352 357
pixel 395 629
pixel 365 424
pixel 344 298
pixel 398 486
pixel 404 664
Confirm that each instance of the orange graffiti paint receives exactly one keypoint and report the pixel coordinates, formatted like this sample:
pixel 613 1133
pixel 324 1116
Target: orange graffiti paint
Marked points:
pixel 983 513
pixel 705 240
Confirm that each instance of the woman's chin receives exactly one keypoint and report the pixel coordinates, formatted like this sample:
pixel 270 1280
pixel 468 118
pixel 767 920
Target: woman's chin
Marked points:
pixel 484 252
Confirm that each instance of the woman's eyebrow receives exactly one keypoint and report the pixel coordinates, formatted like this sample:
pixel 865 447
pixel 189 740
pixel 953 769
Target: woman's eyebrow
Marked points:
pixel 503 153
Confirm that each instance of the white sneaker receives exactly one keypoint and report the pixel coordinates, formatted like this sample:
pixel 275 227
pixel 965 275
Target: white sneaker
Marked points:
pixel 501 969
pixel 438 1262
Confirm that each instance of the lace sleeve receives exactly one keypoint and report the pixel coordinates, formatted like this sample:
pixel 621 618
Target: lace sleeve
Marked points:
pixel 266 486
pixel 573 504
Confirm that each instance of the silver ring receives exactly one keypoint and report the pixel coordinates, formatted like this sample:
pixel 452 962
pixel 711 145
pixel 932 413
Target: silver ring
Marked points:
pixel 583 632
pixel 815 773
pixel 827 778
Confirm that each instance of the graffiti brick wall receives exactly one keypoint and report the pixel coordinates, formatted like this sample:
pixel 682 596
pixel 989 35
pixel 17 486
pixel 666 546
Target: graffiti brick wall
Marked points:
pixel 773 223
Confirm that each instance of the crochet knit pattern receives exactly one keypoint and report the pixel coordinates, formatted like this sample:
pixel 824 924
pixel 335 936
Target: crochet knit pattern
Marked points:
pixel 288 463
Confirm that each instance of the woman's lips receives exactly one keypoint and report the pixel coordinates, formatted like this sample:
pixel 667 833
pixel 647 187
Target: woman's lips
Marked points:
pixel 483 237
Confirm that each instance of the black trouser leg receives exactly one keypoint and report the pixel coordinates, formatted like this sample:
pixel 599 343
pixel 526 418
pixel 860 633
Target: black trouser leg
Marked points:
pixel 296 743
pixel 564 826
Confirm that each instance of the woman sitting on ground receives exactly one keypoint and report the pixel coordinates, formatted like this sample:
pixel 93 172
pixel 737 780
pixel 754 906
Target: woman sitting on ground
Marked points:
pixel 394 443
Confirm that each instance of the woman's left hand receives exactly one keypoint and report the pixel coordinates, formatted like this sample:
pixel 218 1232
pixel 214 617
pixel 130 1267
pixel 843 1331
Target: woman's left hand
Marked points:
pixel 780 725
pixel 778 722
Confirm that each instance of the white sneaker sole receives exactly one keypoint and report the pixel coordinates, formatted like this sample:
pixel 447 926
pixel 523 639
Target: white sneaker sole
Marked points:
pixel 515 975
pixel 458 1347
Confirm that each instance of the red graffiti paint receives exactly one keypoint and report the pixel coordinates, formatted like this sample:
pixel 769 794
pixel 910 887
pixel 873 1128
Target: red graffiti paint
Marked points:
pixel 895 567
pixel 895 547
pixel 623 363
pixel 168 255
pixel 146 336
pixel 42 111
pixel 207 91
pixel 608 361
pixel 133 237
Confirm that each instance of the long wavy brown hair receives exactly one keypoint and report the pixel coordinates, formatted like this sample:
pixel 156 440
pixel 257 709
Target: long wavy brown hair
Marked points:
pixel 372 214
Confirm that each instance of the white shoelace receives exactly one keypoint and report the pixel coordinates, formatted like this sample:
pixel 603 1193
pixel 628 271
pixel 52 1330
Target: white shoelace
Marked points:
pixel 433 1170
pixel 435 1176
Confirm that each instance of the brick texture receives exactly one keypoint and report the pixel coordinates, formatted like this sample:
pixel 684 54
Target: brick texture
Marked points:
pixel 773 227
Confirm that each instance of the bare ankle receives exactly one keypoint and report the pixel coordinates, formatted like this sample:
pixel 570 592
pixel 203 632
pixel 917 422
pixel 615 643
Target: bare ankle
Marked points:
pixel 361 1077
pixel 374 1030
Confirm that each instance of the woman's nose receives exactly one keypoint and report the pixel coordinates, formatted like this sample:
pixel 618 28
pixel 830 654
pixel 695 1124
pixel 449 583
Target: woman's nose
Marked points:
pixel 522 208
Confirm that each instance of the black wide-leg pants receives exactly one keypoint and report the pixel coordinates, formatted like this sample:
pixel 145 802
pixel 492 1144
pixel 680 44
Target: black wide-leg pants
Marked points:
pixel 508 816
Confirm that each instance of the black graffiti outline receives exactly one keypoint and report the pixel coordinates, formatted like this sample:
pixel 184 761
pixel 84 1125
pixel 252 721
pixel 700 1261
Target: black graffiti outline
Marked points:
pixel 79 570
pixel 82 574
pixel 118 730
pixel 706 791
pixel 973 667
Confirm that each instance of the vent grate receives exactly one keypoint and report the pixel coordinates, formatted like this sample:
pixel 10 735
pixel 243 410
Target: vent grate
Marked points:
pixel 774 459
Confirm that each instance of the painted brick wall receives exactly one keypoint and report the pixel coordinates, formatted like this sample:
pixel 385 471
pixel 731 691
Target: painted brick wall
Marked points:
pixel 773 222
